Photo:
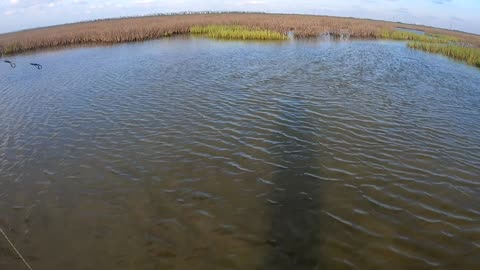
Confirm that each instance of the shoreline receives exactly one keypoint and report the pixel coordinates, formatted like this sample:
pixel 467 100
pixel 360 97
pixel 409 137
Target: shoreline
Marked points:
pixel 131 29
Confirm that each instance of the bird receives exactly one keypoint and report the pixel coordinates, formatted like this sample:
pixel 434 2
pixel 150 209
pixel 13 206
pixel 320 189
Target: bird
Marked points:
pixel 11 63
pixel 38 66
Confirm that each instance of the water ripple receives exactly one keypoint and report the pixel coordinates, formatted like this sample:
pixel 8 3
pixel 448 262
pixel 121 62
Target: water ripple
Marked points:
pixel 202 154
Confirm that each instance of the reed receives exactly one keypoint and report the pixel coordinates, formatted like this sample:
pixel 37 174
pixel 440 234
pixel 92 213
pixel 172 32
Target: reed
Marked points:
pixel 402 35
pixel 161 26
pixel 236 32
pixel 469 55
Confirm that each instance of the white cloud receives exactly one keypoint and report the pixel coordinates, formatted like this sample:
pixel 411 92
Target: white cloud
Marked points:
pixel 9 12
pixel 252 2
pixel 144 1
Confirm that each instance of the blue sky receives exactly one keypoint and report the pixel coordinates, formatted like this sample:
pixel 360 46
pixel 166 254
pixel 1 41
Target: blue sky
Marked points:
pixel 456 14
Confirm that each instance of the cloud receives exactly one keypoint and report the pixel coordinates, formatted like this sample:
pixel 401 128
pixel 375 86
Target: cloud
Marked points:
pixel 24 4
pixel 80 2
pixel 454 18
pixel 9 12
pixel 441 2
pixel 402 10
pixel 253 2
pixel 143 2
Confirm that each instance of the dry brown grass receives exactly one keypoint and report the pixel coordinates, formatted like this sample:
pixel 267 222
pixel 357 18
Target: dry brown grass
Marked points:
pixel 152 27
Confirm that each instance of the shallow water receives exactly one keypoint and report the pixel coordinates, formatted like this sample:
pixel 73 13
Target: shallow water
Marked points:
pixel 198 154
pixel 410 30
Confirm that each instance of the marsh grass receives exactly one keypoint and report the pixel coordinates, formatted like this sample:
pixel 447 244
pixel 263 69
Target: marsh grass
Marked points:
pixel 403 35
pixel 236 32
pixel 133 29
pixel 469 55
pixel 445 38
pixel 449 46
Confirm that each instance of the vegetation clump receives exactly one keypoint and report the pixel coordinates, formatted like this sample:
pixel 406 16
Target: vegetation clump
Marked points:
pixel 403 35
pixel 449 46
pixel 236 32
pixel 469 55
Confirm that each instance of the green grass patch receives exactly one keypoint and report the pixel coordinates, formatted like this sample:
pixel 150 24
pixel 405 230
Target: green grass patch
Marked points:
pixel 439 44
pixel 469 55
pixel 447 39
pixel 403 35
pixel 236 32
pixel 11 49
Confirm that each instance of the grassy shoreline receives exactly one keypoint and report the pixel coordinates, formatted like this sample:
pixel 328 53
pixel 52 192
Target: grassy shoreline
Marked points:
pixel 468 55
pixel 154 27
pixel 240 26
pixel 403 35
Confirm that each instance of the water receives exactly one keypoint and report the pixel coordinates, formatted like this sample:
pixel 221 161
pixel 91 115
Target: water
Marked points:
pixel 198 154
pixel 410 30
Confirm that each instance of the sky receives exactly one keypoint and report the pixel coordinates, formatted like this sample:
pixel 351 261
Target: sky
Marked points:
pixel 461 15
